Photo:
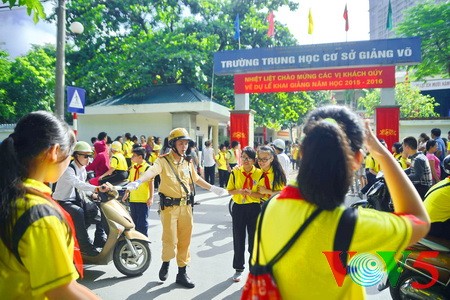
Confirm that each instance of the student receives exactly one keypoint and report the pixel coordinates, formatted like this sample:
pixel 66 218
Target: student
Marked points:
pixel 279 146
pixel 40 265
pixel 322 182
pixel 142 198
pixel 127 148
pixel 243 186
pixel 221 159
pixel 209 163
pixel 273 179
pixel 118 168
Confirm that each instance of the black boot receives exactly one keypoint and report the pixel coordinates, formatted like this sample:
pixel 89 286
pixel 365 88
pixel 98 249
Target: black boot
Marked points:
pixel 164 271
pixel 183 279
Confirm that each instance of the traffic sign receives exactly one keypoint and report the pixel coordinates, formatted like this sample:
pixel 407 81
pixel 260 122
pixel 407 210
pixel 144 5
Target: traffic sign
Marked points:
pixel 75 99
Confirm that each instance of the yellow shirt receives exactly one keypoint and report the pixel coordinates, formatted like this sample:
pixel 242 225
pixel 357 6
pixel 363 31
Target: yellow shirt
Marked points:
pixel 437 203
pixel 271 177
pixel 170 186
pixel 127 149
pixel 46 250
pixel 142 193
pixel 221 161
pixel 237 180
pixel 118 162
pixel 304 271
pixel 372 164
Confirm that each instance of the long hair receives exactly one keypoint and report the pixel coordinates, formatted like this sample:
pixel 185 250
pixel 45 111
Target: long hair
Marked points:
pixel 279 179
pixel 333 135
pixel 33 134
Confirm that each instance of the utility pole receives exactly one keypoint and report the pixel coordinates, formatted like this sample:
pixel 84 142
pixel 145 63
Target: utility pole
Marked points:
pixel 60 58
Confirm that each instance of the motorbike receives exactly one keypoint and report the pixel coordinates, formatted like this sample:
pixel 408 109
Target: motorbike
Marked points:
pixel 419 272
pixel 378 196
pixel 125 246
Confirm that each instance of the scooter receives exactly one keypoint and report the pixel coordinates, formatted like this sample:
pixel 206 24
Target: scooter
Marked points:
pixel 419 272
pixel 126 247
pixel 378 196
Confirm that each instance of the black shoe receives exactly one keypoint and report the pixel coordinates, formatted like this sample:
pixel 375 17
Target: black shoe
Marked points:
pixel 184 280
pixel 164 271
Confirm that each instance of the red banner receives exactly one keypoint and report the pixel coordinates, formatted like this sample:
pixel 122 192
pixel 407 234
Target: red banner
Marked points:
pixel 239 127
pixel 388 123
pixel 314 80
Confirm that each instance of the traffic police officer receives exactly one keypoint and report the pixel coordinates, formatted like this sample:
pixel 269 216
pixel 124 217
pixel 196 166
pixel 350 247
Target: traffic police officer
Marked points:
pixel 177 176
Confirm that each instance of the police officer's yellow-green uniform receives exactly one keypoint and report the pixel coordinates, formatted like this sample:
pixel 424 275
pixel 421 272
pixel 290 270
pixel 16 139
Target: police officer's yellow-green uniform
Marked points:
pixel 46 250
pixel 176 220
pixel 304 271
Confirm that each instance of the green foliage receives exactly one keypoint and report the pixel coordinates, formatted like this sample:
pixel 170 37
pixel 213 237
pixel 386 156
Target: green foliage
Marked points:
pixel 33 6
pixel 430 21
pixel 6 108
pixel 28 84
pixel 412 103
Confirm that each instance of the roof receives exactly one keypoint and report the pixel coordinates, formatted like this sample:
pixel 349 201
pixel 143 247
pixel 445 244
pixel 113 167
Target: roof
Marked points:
pixel 156 94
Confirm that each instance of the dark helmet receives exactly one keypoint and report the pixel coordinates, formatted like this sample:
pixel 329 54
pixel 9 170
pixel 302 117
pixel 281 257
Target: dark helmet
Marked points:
pixel 179 134
pixel 446 164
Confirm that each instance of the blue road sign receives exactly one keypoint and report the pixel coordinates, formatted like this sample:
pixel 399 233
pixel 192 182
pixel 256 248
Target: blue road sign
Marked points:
pixel 75 99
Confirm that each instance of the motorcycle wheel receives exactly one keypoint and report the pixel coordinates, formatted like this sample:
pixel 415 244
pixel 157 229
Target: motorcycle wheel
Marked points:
pixel 129 265
pixel 399 292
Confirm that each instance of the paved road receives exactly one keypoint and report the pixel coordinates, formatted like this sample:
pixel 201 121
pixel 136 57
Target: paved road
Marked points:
pixel 210 268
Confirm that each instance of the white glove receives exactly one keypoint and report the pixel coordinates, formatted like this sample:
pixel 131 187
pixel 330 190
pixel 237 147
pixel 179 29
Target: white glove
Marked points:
pixel 218 191
pixel 133 185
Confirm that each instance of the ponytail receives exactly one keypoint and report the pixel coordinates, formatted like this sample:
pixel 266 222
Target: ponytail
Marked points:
pixel 333 135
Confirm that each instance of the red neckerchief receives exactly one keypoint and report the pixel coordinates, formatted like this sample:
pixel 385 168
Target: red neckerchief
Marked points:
pixel 248 183
pixel 266 180
pixel 291 192
pixel 136 172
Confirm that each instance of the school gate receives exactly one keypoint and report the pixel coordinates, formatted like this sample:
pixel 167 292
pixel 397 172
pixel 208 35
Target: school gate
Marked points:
pixel 333 66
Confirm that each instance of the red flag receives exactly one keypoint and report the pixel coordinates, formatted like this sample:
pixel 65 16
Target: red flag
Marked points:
pixel 346 18
pixel 270 18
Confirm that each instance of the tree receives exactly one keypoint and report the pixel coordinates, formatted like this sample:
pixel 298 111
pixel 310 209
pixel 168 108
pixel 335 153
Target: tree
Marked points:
pixel 6 108
pixel 412 103
pixel 31 83
pixel 33 6
pixel 431 22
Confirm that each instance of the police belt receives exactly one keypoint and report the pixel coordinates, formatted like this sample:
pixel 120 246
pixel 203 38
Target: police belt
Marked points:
pixel 169 201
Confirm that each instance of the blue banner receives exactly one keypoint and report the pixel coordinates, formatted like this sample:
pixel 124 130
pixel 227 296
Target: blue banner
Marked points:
pixel 75 99
pixel 401 51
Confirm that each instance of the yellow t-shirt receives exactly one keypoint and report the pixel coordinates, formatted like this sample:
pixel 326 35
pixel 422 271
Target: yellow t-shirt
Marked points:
pixel 46 250
pixel 221 161
pixel 304 271
pixel 237 180
pixel 437 203
pixel 127 149
pixel 372 164
pixel 118 162
pixel 401 160
pixel 142 193
pixel 271 177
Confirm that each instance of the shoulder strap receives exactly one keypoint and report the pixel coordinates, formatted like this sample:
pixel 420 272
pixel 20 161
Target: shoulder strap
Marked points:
pixel 344 233
pixel 30 216
pixel 289 244
pixel 293 239
pixel 439 187
pixel 176 175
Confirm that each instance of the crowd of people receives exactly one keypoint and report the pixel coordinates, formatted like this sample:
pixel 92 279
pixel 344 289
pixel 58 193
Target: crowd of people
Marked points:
pixel 42 149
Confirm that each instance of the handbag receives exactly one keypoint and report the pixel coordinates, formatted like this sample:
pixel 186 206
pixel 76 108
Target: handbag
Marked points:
pixel 261 284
